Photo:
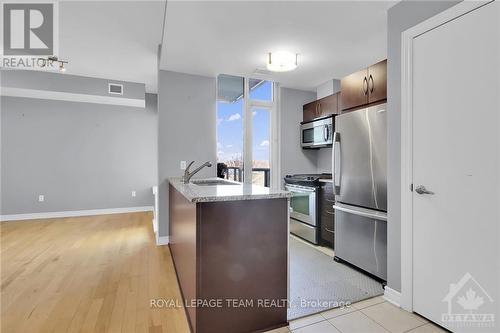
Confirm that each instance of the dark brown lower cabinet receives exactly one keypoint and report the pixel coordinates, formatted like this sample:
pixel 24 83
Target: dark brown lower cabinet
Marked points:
pixel 231 262
pixel 327 219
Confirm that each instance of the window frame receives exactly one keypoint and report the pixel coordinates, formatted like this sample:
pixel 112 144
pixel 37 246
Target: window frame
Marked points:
pixel 274 146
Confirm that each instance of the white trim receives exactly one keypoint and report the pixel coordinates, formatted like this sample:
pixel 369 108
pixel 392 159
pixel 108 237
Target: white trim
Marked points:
pixel 392 296
pixel 162 240
pixel 247 132
pixel 71 97
pixel 406 299
pixel 275 137
pixel 74 213
pixel 155 209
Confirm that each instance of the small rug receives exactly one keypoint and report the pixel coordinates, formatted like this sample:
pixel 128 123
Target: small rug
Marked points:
pixel 318 283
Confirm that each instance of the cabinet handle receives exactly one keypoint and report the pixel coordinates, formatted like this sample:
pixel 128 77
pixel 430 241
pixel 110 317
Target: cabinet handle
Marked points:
pixel 373 84
pixel 365 86
pixel 331 231
pixel 319 109
pixel 317 112
pixel 328 212
pixel 333 201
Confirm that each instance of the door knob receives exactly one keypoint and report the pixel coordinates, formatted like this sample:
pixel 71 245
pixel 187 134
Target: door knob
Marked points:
pixel 422 190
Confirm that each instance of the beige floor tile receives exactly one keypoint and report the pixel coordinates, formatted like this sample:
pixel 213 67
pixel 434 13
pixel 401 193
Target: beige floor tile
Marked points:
pixel 301 322
pixel 428 328
pixel 279 330
pixel 321 327
pixel 356 322
pixel 338 312
pixel 368 302
pixel 393 318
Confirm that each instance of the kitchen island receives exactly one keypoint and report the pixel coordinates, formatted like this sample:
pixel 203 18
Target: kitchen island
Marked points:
pixel 229 244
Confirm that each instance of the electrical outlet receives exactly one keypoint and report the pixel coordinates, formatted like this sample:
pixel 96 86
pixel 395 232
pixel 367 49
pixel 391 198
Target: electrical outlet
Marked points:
pixel 183 165
pixel 41 198
pixel 133 193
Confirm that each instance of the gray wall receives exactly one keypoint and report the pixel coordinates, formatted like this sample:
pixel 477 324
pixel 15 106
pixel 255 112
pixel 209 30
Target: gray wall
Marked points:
pixel 329 87
pixel 79 155
pixel 187 129
pixel 68 83
pixel 324 160
pixel 294 159
pixel 400 17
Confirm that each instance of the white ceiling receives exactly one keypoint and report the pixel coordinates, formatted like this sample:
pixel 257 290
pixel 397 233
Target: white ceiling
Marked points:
pixel 112 39
pixel 333 38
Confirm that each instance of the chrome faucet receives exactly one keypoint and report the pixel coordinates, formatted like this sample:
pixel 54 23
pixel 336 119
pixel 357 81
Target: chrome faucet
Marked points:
pixel 188 175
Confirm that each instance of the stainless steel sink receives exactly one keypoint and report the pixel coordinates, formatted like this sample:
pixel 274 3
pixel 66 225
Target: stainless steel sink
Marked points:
pixel 212 182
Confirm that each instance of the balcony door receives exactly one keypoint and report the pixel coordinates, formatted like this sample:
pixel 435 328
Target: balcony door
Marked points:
pixel 247 129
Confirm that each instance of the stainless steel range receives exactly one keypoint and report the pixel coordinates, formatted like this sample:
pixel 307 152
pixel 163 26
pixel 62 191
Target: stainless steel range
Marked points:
pixel 304 205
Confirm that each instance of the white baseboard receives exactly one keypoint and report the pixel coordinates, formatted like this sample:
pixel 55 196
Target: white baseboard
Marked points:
pixel 163 240
pixel 74 213
pixel 392 296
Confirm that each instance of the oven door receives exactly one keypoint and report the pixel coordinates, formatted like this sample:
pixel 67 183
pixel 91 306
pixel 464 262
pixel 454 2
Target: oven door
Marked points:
pixel 303 204
pixel 317 134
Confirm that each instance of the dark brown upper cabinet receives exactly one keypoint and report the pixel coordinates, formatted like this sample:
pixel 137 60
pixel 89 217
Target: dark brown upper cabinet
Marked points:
pixel 354 89
pixel 377 82
pixel 310 111
pixel 364 87
pixel 328 105
pixel 321 108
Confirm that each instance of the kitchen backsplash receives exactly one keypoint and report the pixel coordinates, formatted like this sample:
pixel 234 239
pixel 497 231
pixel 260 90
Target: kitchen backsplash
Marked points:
pixel 324 160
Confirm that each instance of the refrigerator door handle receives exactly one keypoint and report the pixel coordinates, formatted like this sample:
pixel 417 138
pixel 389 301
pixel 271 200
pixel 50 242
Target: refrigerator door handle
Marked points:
pixel 336 162
pixel 361 212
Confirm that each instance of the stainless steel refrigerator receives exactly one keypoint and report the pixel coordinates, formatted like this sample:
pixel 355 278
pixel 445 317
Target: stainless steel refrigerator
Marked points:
pixel 360 178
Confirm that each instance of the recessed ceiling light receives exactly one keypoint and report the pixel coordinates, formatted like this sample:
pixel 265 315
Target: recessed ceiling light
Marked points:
pixel 281 61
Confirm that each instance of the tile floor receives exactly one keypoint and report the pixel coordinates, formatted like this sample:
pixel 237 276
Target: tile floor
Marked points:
pixel 373 315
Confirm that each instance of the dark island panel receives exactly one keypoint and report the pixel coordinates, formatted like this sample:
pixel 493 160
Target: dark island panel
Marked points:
pixel 244 261
pixel 182 244
pixel 233 257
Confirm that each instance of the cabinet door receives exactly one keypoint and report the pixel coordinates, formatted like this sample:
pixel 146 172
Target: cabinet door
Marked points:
pixel 327 200
pixel 327 229
pixel 354 90
pixel 377 82
pixel 328 105
pixel 310 111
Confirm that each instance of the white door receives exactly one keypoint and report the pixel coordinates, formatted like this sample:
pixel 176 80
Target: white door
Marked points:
pixel 456 152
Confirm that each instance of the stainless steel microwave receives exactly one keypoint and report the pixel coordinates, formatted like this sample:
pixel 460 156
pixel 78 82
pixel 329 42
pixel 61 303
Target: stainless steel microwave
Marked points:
pixel 317 133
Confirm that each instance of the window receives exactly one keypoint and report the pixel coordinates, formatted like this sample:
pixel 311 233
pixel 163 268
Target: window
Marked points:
pixel 261 90
pixel 245 108
pixel 230 104
pixel 261 166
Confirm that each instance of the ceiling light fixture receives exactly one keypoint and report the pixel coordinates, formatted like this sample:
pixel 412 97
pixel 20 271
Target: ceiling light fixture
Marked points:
pixel 281 61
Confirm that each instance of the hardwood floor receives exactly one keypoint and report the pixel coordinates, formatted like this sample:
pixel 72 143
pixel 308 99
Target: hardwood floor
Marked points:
pixel 86 274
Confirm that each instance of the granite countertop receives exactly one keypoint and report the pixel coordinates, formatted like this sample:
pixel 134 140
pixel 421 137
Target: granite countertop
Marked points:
pixel 235 191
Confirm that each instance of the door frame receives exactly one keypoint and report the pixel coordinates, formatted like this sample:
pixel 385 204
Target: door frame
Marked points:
pixel 460 9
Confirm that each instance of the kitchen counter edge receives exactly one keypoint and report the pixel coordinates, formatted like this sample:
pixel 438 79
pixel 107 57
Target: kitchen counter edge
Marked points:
pixel 195 193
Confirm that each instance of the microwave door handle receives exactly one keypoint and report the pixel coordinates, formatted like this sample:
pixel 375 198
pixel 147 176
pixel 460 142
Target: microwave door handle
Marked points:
pixel 326 133
pixel 336 162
